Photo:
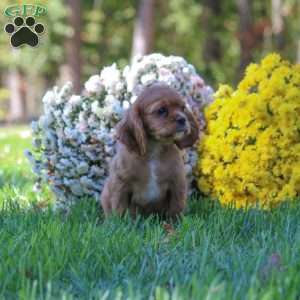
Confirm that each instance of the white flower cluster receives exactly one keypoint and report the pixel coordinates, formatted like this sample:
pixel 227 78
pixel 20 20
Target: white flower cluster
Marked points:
pixel 74 138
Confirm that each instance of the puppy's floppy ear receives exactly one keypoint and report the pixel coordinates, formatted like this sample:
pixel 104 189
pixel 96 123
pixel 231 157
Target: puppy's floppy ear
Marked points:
pixel 189 139
pixel 131 132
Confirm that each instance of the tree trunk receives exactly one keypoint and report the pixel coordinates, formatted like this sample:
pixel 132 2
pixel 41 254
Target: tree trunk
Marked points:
pixel 245 34
pixel 34 95
pixel 73 45
pixel 144 29
pixel 17 90
pixel 212 46
pixel 277 23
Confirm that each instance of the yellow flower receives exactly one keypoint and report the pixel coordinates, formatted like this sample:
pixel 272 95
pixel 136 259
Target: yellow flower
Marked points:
pixel 250 153
pixel 224 91
pixel 271 61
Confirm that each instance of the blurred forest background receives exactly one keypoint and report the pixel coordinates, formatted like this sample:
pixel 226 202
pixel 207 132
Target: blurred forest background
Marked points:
pixel 219 37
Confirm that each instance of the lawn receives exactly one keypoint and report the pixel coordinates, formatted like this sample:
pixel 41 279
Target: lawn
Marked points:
pixel 212 253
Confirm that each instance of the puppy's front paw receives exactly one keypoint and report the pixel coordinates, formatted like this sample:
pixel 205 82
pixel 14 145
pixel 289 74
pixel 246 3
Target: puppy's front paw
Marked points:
pixel 175 213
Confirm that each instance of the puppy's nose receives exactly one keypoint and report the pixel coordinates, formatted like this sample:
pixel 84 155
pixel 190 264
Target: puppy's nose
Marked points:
pixel 180 121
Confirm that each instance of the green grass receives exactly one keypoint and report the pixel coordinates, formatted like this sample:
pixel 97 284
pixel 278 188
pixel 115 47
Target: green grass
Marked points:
pixel 213 253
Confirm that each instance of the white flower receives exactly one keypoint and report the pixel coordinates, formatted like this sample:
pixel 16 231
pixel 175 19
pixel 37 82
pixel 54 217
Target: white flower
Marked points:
pixel 186 71
pixel 29 155
pixel 76 189
pixel 35 127
pixel 36 143
pixel 126 104
pixel 57 113
pixel 126 71
pixel 207 94
pixel 168 79
pixel 95 106
pixel 117 108
pixel 164 72
pixel 99 112
pixel 176 85
pixel 49 98
pixel 192 68
pixel 86 182
pixel 110 76
pixel 76 134
pixel 94 85
pixel 60 133
pixel 119 86
pixel 75 100
pixel 148 78
pixel 64 93
pixel 133 99
pixel 197 81
pixel 45 121
pixel 131 80
pixel 70 133
pixel 109 99
pixel 82 168
pixel 92 122
pixel 36 187
pixel 82 126
pixel 155 57
pixel 67 110
pixel 97 171
pixel 82 116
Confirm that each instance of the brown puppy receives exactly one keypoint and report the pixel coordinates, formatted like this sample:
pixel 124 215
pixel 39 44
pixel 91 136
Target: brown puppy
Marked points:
pixel 147 174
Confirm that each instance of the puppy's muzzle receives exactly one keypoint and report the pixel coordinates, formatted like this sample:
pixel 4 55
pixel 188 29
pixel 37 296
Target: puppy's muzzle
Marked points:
pixel 181 124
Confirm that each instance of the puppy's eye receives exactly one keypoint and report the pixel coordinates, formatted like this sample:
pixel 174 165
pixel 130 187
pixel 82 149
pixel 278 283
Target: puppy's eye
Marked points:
pixel 163 112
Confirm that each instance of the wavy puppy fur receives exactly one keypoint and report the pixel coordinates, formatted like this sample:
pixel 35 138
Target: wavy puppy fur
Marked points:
pixel 147 174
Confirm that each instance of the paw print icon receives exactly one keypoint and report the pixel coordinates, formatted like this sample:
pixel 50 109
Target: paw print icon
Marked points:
pixel 24 32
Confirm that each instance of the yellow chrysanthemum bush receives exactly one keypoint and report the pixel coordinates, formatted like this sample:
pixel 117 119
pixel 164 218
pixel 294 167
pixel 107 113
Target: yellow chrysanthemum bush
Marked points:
pixel 250 152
